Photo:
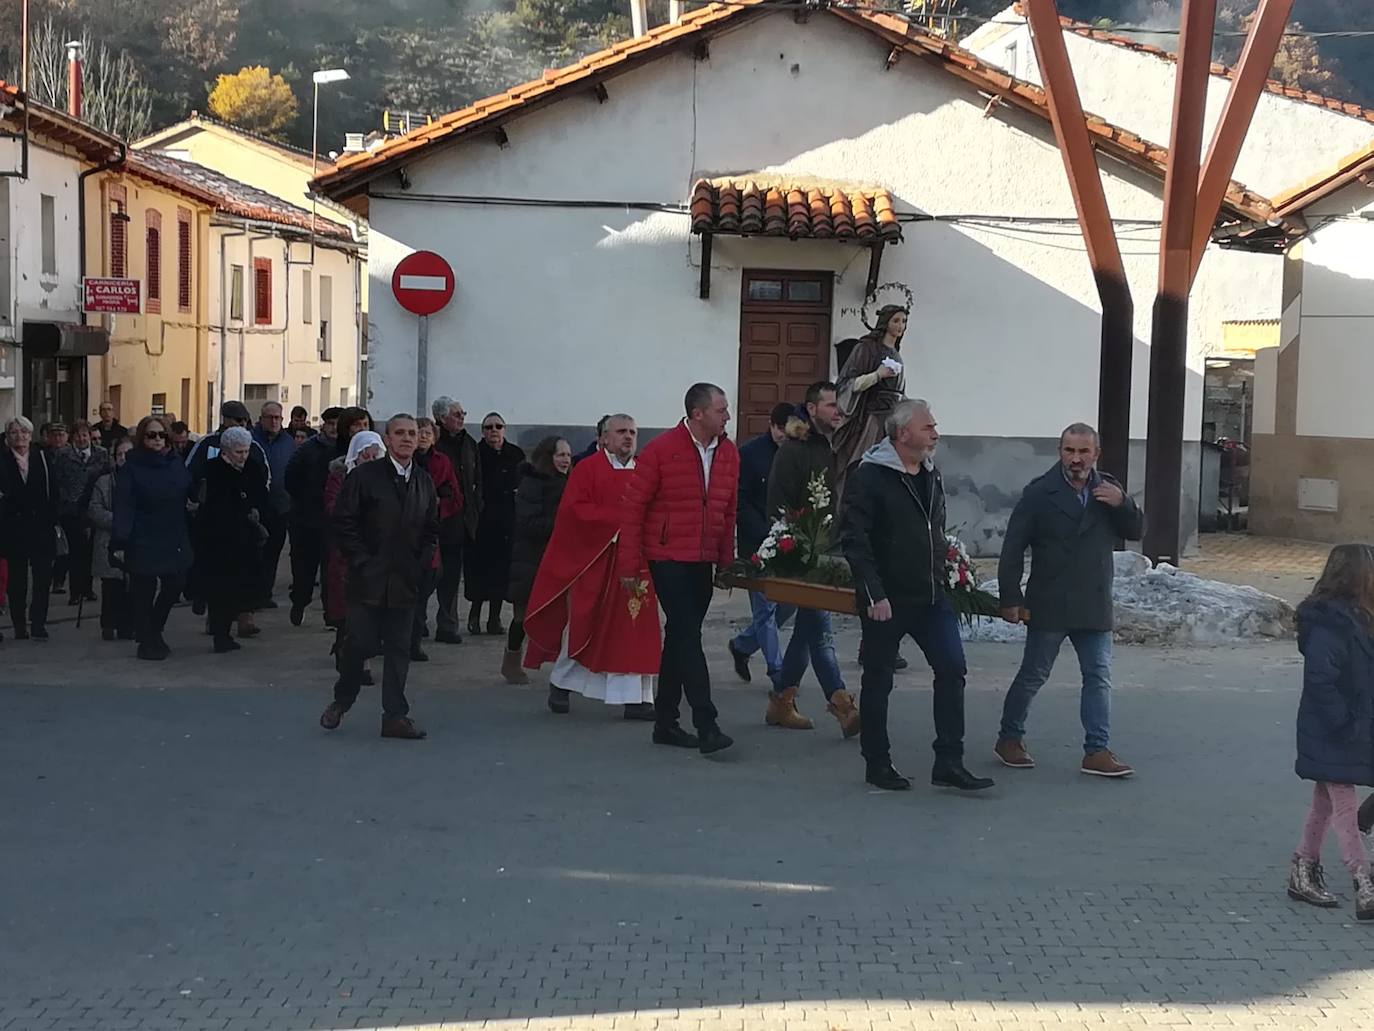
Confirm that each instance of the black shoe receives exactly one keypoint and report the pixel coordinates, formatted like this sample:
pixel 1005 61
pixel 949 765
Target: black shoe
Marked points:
pixel 107 635
pixel 641 711
pixel 741 662
pixel 152 652
pixel 418 654
pixel 714 740
pixel 496 629
pixel 887 778
pixel 226 644
pixel 268 604
pixel 198 607
pixel 297 615
pixel 21 633
pixel 560 701
pixel 953 775
pixel 367 680
pixel 40 633
pixel 675 736
pixel 58 586
pixel 900 664
pixel 448 637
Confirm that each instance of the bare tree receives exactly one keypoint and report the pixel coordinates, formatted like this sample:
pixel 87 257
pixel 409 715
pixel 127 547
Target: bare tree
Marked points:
pixel 115 99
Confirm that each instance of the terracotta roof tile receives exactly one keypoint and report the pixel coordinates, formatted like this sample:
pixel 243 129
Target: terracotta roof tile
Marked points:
pixel 224 194
pixel 757 205
pixel 1226 71
pixel 355 171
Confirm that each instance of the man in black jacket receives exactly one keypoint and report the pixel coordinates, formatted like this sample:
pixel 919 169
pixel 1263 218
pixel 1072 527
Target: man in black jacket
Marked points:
pixel 1070 518
pixel 386 525
pixel 805 456
pixel 753 519
pixel 305 477
pixel 457 445
pixel 894 539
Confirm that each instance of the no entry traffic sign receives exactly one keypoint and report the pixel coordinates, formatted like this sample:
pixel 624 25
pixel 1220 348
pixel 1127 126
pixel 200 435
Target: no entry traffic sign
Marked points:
pixel 422 283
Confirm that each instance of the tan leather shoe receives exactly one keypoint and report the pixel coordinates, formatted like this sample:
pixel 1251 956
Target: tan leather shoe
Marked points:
pixel 1013 753
pixel 842 707
pixel 1104 764
pixel 782 712
pixel 404 728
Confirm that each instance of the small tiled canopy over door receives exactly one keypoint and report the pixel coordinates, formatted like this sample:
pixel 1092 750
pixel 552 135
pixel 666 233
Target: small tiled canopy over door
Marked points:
pixel 784 342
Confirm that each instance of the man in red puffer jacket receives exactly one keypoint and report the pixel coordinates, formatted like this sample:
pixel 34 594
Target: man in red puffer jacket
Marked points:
pixel 678 528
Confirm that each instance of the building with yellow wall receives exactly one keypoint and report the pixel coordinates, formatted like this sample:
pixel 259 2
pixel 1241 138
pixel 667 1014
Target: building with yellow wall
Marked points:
pixel 154 228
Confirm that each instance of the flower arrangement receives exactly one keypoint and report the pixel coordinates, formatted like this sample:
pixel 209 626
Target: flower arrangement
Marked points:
pixel 796 546
pixel 961 583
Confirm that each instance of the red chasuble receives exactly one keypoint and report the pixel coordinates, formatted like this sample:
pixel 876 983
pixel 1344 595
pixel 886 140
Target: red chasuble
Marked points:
pixel 609 630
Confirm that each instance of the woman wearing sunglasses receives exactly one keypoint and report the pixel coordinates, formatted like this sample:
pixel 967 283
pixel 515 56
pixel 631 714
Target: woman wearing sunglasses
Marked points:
pixel 487 562
pixel 150 532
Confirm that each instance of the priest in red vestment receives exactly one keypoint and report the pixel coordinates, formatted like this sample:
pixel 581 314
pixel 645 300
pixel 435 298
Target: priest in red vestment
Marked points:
pixel 604 643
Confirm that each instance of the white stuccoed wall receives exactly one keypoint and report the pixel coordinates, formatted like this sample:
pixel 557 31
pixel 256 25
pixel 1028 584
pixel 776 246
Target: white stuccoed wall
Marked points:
pixel 34 295
pixel 1336 307
pixel 1289 140
pixel 562 314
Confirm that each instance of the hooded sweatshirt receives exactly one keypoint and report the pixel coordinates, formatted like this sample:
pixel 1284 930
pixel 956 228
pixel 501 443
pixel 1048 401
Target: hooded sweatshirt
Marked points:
pixel 893 529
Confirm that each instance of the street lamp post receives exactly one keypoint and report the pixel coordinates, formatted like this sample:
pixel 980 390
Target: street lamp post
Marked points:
pixel 322 77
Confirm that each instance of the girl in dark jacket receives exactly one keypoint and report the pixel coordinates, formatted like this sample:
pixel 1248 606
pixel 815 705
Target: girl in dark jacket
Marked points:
pixel 542 481
pixel 150 529
pixel 1336 721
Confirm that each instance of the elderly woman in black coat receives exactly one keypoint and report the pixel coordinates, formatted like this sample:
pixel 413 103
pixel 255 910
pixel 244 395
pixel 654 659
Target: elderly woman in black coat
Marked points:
pixel 230 532
pixel 542 481
pixel 487 560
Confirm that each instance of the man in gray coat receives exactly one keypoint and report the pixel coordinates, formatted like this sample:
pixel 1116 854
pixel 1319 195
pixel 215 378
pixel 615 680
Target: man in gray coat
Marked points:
pixel 1070 518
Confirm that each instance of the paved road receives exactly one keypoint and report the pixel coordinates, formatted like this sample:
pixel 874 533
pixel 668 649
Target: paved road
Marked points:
pixel 185 848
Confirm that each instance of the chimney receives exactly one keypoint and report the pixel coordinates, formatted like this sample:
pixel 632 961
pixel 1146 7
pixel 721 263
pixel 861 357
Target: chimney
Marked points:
pixel 639 17
pixel 74 79
pixel 354 142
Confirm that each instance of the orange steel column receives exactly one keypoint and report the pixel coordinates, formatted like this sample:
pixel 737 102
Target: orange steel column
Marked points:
pixel 1252 73
pixel 1099 234
pixel 1169 339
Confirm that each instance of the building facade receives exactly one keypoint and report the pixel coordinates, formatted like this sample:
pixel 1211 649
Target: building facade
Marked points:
pixel 564 208
pixel 44 342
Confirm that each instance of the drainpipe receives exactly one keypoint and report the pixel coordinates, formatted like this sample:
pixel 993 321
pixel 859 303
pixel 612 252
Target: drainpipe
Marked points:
pixel 223 316
pixel 81 178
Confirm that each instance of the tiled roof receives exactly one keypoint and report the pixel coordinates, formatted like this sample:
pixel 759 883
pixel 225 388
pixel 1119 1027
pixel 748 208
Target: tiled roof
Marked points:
pixel 224 194
pixel 61 127
pixel 1344 107
pixel 1356 167
pixel 757 206
pixel 353 172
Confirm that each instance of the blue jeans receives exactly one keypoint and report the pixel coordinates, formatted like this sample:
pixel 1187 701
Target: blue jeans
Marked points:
pixel 935 629
pixel 811 639
pixel 1094 648
pixel 762 634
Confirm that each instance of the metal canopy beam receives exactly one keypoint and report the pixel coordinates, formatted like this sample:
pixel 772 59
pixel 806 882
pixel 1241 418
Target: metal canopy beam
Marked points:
pixel 1169 338
pixel 1099 234
pixel 1251 76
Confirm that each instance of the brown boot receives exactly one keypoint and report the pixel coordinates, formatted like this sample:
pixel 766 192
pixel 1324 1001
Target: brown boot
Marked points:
pixel 842 707
pixel 510 668
pixel 402 727
pixel 782 711
pixel 1013 753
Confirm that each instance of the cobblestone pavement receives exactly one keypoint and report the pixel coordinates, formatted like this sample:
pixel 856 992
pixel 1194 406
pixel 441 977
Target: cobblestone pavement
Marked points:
pixel 185 848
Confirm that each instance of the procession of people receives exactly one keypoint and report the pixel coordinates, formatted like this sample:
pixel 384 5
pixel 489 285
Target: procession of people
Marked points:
pixel 610 560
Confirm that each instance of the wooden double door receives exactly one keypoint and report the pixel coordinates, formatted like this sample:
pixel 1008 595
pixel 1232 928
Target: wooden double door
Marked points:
pixel 784 342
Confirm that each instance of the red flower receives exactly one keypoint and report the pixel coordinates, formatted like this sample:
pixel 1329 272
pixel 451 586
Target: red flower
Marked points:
pixel 953 554
pixel 786 545
pixel 754 558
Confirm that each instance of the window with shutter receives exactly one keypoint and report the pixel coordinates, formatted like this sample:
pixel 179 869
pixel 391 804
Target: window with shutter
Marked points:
pixel 152 259
pixel 236 292
pixel 262 291
pixel 183 260
pixel 119 241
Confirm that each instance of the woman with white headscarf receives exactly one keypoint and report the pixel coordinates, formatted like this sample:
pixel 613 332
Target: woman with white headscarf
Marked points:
pixel 230 532
pixel 364 446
